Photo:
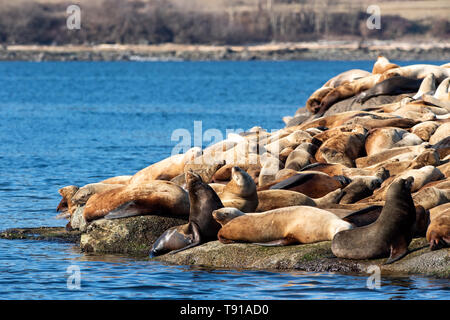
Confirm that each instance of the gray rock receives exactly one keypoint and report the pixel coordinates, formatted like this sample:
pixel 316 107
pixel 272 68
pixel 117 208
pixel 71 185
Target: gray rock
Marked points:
pixel 77 220
pixel 134 235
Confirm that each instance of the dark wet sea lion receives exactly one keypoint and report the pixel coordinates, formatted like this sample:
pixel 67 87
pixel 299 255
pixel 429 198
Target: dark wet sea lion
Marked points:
pixel 201 227
pixel 370 214
pixel 389 235
pixel 391 86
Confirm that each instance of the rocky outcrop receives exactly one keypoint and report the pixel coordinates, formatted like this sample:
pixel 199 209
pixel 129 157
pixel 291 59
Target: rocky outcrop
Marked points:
pixel 133 235
pixel 315 257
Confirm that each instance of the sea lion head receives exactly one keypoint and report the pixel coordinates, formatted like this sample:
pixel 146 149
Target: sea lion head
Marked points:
pixel 66 202
pixel 192 178
pixel 225 215
pixel 243 180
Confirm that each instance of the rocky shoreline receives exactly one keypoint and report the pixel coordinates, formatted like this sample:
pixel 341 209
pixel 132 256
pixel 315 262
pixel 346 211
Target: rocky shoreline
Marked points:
pixel 135 239
pixel 343 50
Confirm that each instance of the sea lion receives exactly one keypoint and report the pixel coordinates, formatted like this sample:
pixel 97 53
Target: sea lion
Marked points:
pixel 438 233
pixel 117 180
pixel 428 86
pixel 313 102
pixel 201 227
pixel 403 153
pixel 84 193
pixel 240 192
pixel 431 197
pixel 391 86
pixel 420 177
pixel 298 159
pixel 390 234
pixel 348 90
pixel 381 139
pixel 363 186
pixel 343 148
pixel 382 64
pixel 418 71
pixel 312 184
pixel 442 92
pixel 370 214
pixel 442 132
pixel 157 197
pixel 425 130
pixel 66 206
pixel 284 226
pixel 274 199
pixel 165 169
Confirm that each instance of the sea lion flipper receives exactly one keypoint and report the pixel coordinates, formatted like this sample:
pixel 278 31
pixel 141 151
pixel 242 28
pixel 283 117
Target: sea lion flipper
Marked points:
pixel 128 209
pixel 293 181
pixel 399 249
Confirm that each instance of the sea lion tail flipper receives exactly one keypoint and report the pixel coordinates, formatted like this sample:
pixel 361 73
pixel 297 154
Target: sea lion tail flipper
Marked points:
pixel 128 209
pixel 399 249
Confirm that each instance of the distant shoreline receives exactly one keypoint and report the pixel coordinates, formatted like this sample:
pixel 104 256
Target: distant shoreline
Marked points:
pixel 326 50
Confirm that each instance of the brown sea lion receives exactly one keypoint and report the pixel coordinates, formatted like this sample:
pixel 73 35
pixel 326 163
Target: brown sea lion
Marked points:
pixel 348 90
pixel 343 148
pixel 165 169
pixel 84 193
pixel 387 138
pixel 157 197
pixel 382 64
pixel 66 206
pixel 428 86
pixel 312 184
pixel 274 199
pixel 389 235
pixel 442 92
pixel 438 233
pixel 418 71
pixel 400 153
pixel 201 227
pixel 117 180
pixel 425 130
pixel 362 187
pixel 431 197
pixel 284 226
pixel 313 102
pixel 240 192
pixel 442 132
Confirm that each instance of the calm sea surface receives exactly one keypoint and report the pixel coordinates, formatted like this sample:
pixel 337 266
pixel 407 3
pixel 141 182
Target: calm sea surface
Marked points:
pixel 80 122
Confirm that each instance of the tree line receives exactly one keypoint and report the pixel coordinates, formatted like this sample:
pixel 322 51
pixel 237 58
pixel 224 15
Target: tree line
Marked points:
pixel 159 21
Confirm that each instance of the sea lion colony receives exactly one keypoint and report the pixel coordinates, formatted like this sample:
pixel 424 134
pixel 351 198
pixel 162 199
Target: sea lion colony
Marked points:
pixel 366 164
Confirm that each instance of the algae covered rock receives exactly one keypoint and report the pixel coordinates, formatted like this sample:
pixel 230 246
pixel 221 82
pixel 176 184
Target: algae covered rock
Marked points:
pixel 315 257
pixel 134 235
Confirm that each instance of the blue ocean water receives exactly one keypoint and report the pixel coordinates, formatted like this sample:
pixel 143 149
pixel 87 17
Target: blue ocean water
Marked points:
pixel 65 123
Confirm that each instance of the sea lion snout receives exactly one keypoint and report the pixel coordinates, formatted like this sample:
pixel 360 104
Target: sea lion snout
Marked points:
pixel 408 182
